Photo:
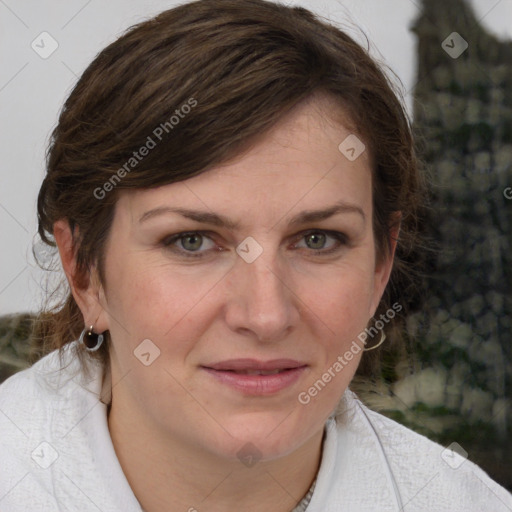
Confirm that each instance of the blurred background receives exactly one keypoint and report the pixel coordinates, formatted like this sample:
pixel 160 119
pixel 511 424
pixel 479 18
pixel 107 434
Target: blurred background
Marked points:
pixel 453 62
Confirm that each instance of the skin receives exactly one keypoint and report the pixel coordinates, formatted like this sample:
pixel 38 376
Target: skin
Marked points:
pixel 176 429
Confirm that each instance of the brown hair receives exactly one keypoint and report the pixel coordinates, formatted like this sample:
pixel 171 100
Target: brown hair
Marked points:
pixel 239 66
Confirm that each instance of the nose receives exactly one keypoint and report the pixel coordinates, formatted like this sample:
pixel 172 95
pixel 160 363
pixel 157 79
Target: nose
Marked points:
pixel 261 302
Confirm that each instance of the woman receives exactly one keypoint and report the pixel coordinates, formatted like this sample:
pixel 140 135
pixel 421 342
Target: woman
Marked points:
pixel 233 192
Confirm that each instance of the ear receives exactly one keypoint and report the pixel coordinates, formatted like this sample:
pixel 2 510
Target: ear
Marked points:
pixel 87 290
pixel 385 265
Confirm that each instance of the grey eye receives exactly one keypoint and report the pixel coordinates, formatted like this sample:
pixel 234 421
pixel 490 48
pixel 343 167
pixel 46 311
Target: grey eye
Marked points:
pixel 192 242
pixel 315 240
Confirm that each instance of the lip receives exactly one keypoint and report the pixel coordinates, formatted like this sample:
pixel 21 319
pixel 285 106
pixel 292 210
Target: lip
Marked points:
pixel 255 364
pixel 252 384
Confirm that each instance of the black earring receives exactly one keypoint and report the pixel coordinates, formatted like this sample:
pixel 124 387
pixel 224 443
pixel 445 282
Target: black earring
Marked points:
pixel 90 340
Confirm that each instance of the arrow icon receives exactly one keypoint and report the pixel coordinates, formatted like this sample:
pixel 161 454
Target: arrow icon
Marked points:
pixel 147 352
pixel 44 455
pixel 249 249
pixel 249 455
pixel 454 455
pixel 454 45
pixel 44 45
pixel 351 147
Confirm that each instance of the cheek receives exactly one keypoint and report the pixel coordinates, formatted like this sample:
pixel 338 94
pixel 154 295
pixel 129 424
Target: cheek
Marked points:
pixel 337 310
pixel 340 297
pixel 150 300
pixel 141 290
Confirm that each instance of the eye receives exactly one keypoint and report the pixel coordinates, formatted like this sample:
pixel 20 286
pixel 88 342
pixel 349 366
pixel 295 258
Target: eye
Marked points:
pixel 189 243
pixel 316 240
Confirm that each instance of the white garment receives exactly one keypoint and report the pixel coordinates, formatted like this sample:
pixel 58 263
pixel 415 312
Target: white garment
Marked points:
pixel 56 454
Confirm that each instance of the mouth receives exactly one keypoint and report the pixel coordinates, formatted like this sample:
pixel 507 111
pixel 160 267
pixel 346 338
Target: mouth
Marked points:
pixel 252 377
pixel 257 372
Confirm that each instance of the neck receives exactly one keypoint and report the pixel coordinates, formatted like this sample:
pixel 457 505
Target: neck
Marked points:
pixel 167 474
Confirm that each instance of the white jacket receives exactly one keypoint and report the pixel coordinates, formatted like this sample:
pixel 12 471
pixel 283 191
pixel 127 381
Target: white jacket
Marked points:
pixel 56 454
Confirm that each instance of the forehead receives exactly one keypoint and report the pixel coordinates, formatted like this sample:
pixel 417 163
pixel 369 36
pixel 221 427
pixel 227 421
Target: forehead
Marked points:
pixel 299 163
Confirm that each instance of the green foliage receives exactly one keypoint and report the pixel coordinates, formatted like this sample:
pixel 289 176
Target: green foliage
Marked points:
pixel 478 432
pixel 482 92
pixel 441 410
pixel 460 138
pixel 485 134
pixel 23 328
pixel 506 134
pixel 389 364
pixel 455 88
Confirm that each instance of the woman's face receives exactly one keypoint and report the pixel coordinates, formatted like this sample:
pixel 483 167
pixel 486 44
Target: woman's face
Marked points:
pixel 278 273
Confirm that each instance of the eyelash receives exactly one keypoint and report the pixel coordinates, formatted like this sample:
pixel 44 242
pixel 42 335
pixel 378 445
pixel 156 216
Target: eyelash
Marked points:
pixel 170 240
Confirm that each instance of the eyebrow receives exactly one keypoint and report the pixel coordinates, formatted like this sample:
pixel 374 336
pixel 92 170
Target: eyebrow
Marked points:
pixel 218 220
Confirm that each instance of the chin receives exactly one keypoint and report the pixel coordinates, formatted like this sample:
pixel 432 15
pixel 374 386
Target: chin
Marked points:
pixel 263 435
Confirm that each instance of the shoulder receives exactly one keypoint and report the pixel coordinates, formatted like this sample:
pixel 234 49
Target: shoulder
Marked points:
pixel 55 446
pixel 27 393
pixel 39 398
pixel 31 400
pixel 38 407
pixel 429 476
pixel 20 393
